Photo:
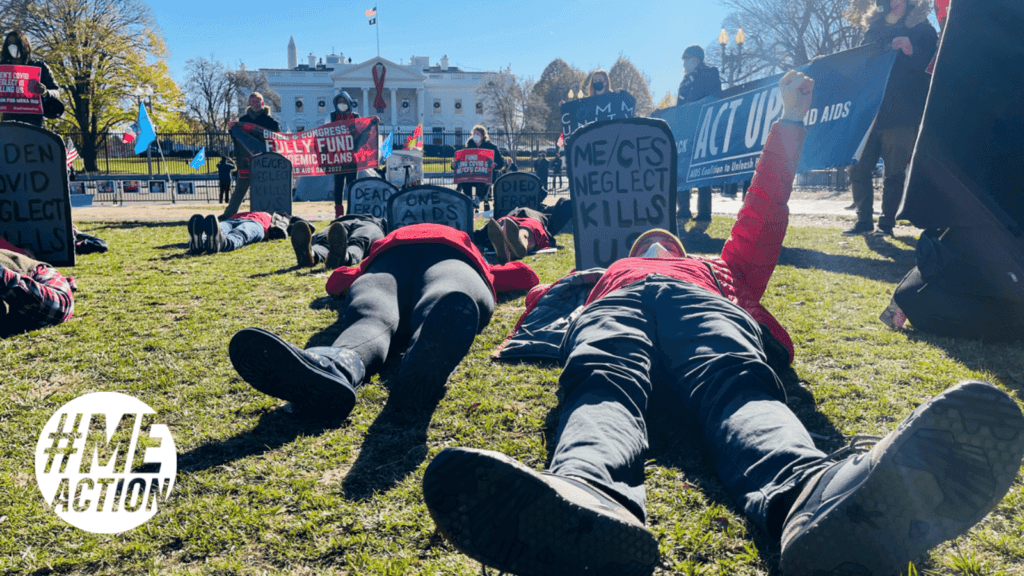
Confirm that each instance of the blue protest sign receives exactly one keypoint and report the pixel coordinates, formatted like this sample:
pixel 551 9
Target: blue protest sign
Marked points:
pixel 578 113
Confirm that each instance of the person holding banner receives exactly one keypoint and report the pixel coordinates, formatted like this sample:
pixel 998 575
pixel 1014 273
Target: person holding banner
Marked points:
pixel 344 109
pixel 696 327
pixel 479 139
pixel 699 82
pixel 17 51
pixel 344 242
pixel 900 25
pixel 258 113
pixel 599 84
pixel 33 294
pixel 424 289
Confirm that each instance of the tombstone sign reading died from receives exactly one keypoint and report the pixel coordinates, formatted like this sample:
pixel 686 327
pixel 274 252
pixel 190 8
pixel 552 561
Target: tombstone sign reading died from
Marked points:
pixel 35 203
pixel 622 182
pixel 271 177
pixel 517 190
pixel 578 113
pixel 430 204
pixel 370 196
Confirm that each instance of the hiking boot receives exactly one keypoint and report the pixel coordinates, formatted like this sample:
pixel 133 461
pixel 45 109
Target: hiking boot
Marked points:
pixel 520 521
pixel 301 235
pixel 444 339
pixel 320 381
pixel 657 236
pixel 195 234
pixel 518 239
pixel 214 237
pixel 496 234
pixel 860 228
pixel 938 474
pixel 884 230
pixel 337 246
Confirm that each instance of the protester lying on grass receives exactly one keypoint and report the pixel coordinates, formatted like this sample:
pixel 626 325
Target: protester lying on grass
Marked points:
pixel 698 324
pixel 423 289
pixel 212 236
pixel 87 243
pixel 525 230
pixel 33 294
pixel 344 242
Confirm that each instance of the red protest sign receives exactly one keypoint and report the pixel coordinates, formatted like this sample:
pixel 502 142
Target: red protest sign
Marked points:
pixel 473 166
pixel 340 147
pixel 17 90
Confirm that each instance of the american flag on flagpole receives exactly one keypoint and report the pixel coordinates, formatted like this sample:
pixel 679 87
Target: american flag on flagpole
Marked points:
pixel 371 12
pixel 72 152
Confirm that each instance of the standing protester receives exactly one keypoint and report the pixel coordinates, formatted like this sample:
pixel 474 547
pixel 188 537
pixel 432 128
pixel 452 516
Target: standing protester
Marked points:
pixel 540 168
pixel 258 113
pixel 224 169
pixel 344 242
pixel 556 170
pixel 17 51
pixel 599 83
pixel 479 192
pixel 699 82
pixel 424 289
pixel 344 109
pixel 893 25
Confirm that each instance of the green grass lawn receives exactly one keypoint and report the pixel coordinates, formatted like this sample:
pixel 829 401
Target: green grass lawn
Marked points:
pixel 260 490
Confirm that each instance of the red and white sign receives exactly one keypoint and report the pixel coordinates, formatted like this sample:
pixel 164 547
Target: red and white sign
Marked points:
pixel 473 166
pixel 340 147
pixel 17 90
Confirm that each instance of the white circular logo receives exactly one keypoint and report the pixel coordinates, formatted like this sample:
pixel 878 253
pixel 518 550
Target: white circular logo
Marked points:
pixel 103 465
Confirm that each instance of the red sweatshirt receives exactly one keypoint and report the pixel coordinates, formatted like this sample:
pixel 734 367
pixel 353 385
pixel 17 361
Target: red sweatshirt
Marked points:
pixel 511 276
pixel 263 218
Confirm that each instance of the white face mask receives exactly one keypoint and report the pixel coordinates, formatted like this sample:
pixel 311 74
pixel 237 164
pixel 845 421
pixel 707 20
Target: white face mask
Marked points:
pixel 13 49
pixel 689 64
pixel 342 107
pixel 477 138
pixel 656 250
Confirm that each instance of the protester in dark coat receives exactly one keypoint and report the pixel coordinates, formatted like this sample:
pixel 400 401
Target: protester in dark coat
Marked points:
pixel 258 113
pixel 556 170
pixel 700 82
pixel 540 168
pixel 344 242
pixel 900 25
pixel 344 109
pixel 17 51
pixel 224 169
pixel 599 84
pixel 478 192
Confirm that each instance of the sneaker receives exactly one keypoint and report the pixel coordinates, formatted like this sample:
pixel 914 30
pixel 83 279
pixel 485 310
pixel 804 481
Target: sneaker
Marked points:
pixel 520 521
pixel 444 339
pixel 518 239
pixel 496 234
pixel 195 234
pixel 860 228
pixel 320 381
pixel 884 230
pixel 657 236
pixel 938 474
pixel 301 235
pixel 337 246
pixel 214 237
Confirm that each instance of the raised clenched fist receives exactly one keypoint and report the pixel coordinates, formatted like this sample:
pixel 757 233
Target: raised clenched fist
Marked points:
pixel 797 89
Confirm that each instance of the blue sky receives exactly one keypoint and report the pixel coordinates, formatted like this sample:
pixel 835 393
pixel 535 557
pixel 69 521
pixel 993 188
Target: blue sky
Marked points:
pixel 475 34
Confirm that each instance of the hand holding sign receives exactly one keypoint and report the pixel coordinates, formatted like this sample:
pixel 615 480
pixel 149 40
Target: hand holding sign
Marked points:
pixel 797 92
pixel 903 43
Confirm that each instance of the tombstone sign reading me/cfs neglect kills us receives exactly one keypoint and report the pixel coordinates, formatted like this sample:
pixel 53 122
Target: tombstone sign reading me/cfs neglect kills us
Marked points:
pixel 271 176
pixel 430 204
pixel 370 196
pixel 517 190
pixel 35 203
pixel 622 181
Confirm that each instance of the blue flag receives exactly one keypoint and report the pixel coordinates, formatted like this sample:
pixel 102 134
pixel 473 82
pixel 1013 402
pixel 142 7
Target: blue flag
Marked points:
pixel 386 147
pixel 200 160
pixel 146 132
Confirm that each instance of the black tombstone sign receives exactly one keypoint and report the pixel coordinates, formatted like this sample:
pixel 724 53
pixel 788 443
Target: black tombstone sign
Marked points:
pixel 622 182
pixel 271 177
pixel 370 196
pixel 35 202
pixel 430 204
pixel 613 106
pixel 517 190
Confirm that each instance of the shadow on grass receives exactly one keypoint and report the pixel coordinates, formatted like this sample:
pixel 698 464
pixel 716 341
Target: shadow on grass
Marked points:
pixel 295 268
pixel 1003 358
pixel 883 246
pixel 178 246
pixel 132 225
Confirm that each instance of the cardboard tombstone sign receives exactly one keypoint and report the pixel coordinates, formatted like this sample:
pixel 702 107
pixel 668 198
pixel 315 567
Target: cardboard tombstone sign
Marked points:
pixel 578 113
pixel 271 177
pixel 622 182
pixel 370 196
pixel 35 202
pixel 405 167
pixel 517 190
pixel 430 204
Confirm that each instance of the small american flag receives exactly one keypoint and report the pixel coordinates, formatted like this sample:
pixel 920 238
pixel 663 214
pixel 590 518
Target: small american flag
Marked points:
pixel 72 152
pixel 371 12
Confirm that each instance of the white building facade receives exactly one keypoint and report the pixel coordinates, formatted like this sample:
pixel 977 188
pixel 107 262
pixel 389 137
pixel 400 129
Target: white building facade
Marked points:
pixel 442 97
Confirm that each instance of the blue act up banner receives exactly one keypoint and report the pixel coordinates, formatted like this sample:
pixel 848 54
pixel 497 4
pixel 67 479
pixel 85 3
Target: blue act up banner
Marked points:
pixel 720 139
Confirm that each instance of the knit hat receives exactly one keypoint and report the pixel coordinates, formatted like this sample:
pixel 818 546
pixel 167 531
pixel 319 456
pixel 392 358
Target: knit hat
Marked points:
pixel 694 51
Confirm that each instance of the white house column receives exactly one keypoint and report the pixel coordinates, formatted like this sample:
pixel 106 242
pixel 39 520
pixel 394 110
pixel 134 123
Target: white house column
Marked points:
pixel 394 107
pixel 421 97
pixel 365 102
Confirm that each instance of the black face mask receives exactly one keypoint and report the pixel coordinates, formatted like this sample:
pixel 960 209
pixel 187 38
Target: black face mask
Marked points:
pixel 598 86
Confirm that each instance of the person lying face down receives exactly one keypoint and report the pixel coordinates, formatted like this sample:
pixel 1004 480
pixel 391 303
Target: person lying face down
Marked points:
pixel 698 323
pixel 33 294
pixel 211 236
pixel 425 287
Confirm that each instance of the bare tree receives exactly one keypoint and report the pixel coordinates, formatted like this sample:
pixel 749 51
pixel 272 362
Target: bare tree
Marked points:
pixel 625 76
pixel 512 105
pixel 209 93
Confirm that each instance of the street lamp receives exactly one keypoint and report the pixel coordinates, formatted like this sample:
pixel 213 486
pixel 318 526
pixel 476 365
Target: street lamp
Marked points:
pixel 146 92
pixel 734 60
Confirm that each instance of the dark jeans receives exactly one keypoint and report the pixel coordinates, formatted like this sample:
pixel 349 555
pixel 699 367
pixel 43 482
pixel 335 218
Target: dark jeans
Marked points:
pixel 895 146
pixel 240 233
pixel 225 192
pixel 479 190
pixel 386 306
pixel 709 352
pixel 703 204
pixel 341 182
pixel 363 230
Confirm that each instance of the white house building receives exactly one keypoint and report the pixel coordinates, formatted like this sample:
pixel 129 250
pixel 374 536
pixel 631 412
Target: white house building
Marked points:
pixel 442 97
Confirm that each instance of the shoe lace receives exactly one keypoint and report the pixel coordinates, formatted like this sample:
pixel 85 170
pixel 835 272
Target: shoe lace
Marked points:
pixel 860 443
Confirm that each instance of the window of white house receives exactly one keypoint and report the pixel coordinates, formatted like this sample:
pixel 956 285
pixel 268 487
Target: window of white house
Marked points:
pixel 479 107
pixel 437 106
pixel 298 103
pixel 321 105
pixel 458 106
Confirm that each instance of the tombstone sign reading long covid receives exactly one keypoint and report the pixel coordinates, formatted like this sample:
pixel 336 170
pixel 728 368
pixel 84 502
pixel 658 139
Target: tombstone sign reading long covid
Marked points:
pixel 622 181
pixel 35 203
pixel 370 196
pixel 271 177
pixel 517 190
pixel 430 205
pixel 578 113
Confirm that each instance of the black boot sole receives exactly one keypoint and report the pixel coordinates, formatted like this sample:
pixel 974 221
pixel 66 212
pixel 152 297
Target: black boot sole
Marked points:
pixel 302 244
pixel 503 514
pixel 949 465
pixel 274 367
pixel 214 237
pixel 195 234
pixel 337 246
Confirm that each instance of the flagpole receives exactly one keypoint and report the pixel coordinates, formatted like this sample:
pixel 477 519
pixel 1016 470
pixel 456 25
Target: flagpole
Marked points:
pixel 377 26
